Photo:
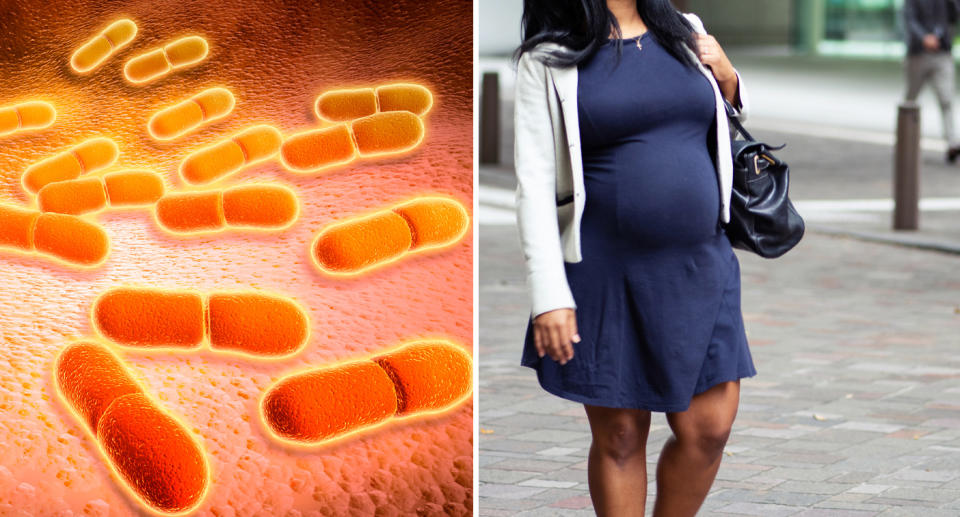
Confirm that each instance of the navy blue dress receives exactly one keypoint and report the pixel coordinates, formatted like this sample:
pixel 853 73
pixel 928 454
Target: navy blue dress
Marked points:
pixel 658 290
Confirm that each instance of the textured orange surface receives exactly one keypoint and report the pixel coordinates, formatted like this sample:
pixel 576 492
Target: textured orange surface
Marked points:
pixel 434 221
pixel 389 132
pixel 86 157
pixel 154 64
pixel 346 104
pixel 324 403
pixel 26 116
pixel 276 57
pixel 256 324
pixel 150 317
pixel 404 97
pixel 71 239
pixel 318 149
pixel 260 206
pixel 98 49
pixel 132 188
pixel 152 452
pixel 248 147
pixel 428 375
pixel 358 244
pixel 177 120
pixel 75 197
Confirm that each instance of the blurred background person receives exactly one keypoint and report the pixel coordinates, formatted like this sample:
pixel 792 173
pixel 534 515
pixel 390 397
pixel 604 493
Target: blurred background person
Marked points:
pixel 928 25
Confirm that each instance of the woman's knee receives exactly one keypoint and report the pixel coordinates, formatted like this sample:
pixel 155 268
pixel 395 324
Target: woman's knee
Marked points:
pixel 706 425
pixel 708 435
pixel 622 438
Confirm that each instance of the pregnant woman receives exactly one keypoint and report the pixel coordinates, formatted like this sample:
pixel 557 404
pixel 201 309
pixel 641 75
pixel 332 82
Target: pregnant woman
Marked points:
pixel 624 170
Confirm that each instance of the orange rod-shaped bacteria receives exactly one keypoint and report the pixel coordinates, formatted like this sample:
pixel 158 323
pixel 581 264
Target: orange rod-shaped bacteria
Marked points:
pixel 318 149
pixel 256 324
pixel 98 49
pixel 88 156
pixel 321 404
pixel 359 244
pixel 410 97
pixel 434 221
pixel 388 132
pixel 159 62
pixel 83 195
pixel 64 237
pixel 190 212
pixel 346 104
pixel 26 116
pixel 328 403
pixel 248 147
pixel 150 317
pixel 247 322
pixel 378 134
pixel 428 375
pixel 203 108
pixel 261 206
pixel 151 452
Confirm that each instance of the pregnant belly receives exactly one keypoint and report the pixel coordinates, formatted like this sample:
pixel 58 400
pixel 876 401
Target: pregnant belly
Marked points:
pixel 654 197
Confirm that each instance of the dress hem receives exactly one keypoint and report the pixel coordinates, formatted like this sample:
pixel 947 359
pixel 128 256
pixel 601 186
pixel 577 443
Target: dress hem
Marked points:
pixel 576 397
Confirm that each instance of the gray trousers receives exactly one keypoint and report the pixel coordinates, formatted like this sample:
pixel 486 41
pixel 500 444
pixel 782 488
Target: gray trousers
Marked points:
pixel 938 68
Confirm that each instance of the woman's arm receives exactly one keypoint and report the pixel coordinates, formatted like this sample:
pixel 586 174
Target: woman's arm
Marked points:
pixel 728 79
pixel 536 169
pixel 713 56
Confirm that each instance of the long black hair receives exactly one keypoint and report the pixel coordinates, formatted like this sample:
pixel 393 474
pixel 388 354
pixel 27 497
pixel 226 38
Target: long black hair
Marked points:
pixel 581 26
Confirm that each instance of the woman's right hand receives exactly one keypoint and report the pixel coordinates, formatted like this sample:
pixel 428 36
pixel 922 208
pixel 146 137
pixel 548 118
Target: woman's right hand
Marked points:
pixel 554 334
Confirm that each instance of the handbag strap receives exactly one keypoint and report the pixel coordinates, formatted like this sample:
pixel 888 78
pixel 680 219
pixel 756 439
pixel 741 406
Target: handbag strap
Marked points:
pixel 732 117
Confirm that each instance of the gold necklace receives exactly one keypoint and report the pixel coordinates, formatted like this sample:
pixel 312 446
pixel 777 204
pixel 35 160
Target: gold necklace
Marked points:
pixel 637 40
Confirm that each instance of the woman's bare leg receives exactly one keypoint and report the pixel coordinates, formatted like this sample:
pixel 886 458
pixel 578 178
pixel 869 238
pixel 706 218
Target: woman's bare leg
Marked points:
pixel 617 465
pixel 691 457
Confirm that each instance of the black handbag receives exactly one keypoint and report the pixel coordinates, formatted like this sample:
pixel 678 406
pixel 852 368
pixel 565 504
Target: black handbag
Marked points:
pixel 762 218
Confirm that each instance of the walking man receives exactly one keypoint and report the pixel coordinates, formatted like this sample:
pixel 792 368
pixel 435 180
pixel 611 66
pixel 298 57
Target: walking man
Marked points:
pixel 929 28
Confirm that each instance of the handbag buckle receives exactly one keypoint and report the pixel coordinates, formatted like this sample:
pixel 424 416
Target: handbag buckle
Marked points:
pixel 756 162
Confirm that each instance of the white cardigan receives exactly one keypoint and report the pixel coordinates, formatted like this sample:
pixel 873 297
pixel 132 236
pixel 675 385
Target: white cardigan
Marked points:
pixel 550 192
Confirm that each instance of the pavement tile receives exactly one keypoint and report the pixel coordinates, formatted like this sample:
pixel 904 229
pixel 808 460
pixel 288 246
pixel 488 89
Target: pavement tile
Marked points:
pixel 559 451
pixel 808 487
pixel 574 503
pixel 551 436
pixel 832 512
pixel 548 483
pixel 914 511
pixel 533 465
pixel 760 509
pixel 507 491
pixel 501 476
pixel 556 512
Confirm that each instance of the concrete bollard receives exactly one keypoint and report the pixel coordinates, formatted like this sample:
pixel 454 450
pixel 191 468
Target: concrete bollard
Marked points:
pixel 906 168
pixel 490 118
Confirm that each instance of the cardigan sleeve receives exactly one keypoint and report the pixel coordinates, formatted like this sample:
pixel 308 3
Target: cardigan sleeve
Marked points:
pixel 536 170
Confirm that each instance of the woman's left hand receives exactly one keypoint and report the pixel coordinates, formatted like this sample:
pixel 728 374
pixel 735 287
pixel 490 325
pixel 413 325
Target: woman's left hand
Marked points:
pixel 712 55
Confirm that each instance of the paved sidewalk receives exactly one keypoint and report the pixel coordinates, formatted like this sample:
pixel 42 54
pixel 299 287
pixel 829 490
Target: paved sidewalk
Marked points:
pixel 855 411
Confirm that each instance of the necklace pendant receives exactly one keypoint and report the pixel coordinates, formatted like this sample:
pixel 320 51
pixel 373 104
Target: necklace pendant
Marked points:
pixel 639 45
